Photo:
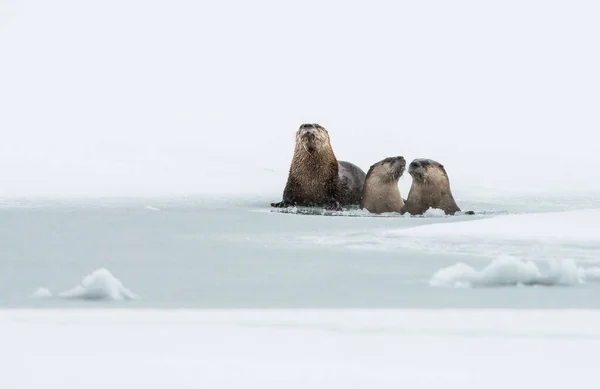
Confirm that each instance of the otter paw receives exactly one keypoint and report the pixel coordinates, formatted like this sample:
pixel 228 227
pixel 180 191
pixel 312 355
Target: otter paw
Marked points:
pixel 281 204
pixel 470 213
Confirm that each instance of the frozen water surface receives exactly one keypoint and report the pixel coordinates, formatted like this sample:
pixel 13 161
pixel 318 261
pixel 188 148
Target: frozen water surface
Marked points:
pixel 240 253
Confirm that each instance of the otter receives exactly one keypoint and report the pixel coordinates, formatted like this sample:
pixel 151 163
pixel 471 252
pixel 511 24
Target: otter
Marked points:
pixel 430 188
pixel 316 178
pixel 381 193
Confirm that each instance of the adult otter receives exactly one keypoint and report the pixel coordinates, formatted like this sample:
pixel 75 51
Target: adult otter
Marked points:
pixel 381 193
pixel 430 188
pixel 316 178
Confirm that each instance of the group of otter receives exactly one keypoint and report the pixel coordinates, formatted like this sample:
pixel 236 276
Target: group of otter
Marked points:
pixel 317 179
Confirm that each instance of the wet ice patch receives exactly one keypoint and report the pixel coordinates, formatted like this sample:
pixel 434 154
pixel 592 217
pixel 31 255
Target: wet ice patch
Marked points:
pixel 317 211
pixel 510 271
pixel 357 212
pixel 98 285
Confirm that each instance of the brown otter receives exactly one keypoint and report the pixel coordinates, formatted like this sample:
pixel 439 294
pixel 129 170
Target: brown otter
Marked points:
pixel 430 188
pixel 381 193
pixel 316 178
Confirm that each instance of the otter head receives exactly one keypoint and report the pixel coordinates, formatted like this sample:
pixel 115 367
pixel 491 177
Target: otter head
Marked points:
pixel 388 169
pixel 423 169
pixel 313 138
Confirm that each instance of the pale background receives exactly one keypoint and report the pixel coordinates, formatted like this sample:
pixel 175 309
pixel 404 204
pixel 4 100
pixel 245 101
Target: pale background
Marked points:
pixel 179 97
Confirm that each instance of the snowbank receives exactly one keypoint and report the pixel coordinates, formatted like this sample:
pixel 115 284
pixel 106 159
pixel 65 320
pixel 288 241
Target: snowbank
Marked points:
pixel 99 285
pixel 299 348
pixel 572 226
pixel 509 271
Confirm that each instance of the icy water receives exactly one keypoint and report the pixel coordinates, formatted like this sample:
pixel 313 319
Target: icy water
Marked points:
pixel 209 253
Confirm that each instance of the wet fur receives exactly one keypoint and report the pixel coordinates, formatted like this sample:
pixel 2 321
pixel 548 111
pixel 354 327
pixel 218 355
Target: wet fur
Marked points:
pixel 430 189
pixel 381 193
pixel 316 178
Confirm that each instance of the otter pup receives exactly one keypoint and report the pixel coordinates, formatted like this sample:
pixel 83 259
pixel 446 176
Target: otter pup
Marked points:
pixel 316 178
pixel 381 193
pixel 430 188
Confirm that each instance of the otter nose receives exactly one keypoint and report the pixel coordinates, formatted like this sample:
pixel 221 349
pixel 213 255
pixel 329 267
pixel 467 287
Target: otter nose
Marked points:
pixel 414 165
pixel 307 126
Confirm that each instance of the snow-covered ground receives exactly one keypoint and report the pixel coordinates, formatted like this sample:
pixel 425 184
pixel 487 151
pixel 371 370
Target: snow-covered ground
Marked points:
pixel 298 349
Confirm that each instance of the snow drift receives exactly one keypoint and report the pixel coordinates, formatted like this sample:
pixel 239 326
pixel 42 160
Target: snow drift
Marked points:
pixel 578 226
pixel 98 285
pixel 509 271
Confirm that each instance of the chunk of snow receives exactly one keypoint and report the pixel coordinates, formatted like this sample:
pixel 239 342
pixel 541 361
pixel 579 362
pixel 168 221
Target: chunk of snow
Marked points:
pixel 509 271
pixel 42 293
pixel 434 212
pixel 99 285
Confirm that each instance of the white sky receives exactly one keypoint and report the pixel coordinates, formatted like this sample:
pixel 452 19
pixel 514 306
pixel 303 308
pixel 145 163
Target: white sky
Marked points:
pixel 147 97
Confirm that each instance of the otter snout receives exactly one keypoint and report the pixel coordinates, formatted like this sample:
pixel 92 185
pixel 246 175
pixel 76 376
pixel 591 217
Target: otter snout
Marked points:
pixel 400 162
pixel 417 169
pixel 308 131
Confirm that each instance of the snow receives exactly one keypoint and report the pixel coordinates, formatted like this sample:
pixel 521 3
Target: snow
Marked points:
pixel 101 284
pixel 42 293
pixel 576 226
pixel 509 271
pixel 571 233
pixel 298 348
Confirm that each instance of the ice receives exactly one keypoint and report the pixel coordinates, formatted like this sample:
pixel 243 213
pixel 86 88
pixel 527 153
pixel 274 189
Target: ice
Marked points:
pixel 98 285
pixel 299 348
pixel 510 271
